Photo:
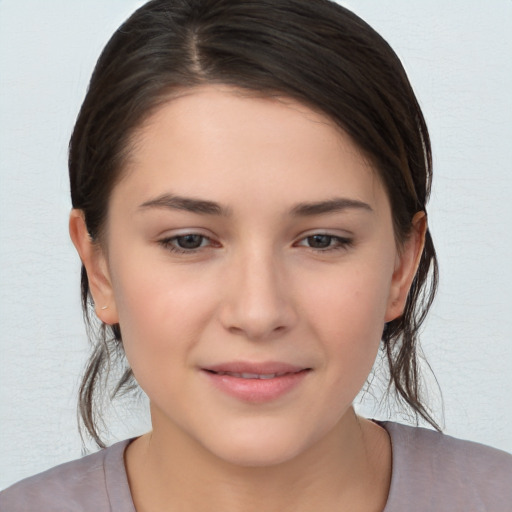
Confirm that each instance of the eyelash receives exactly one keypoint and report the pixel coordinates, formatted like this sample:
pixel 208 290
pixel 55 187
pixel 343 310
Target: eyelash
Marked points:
pixel 169 243
pixel 341 243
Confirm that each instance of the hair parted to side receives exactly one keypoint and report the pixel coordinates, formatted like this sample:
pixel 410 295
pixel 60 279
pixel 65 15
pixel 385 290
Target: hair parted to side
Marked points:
pixel 313 51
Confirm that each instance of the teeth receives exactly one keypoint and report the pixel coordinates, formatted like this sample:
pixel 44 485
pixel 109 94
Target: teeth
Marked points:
pixel 252 375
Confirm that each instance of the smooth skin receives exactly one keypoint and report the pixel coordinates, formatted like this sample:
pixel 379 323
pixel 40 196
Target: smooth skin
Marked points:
pixel 251 229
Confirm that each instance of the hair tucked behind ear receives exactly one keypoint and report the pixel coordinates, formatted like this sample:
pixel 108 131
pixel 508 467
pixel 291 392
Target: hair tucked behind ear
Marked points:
pixel 400 337
pixel 313 51
pixel 107 355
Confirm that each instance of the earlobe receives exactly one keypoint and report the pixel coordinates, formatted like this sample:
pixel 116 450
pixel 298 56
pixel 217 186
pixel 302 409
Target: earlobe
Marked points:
pixel 94 260
pixel 405 269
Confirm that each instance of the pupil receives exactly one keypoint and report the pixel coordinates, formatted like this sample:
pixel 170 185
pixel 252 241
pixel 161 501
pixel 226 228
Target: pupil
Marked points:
pixel 190 241
pixel 319 241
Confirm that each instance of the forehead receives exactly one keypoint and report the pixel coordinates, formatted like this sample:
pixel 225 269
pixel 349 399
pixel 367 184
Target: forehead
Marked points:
pixel 226 145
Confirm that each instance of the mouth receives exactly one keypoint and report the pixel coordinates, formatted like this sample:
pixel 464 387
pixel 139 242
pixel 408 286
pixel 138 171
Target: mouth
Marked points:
pixel 254 382
pixel 253 370
pixel 262 376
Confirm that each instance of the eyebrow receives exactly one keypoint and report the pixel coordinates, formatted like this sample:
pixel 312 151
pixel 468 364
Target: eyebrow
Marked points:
pixel 331 206
pixel 205 207
pixel 189 204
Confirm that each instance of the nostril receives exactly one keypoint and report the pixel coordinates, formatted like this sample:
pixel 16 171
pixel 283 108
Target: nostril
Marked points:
pixel 256 314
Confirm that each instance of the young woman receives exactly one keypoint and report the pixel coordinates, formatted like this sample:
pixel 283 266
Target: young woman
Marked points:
pixel 249 183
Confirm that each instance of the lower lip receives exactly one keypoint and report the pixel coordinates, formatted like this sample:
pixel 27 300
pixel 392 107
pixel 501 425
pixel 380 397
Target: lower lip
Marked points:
pixel 256 391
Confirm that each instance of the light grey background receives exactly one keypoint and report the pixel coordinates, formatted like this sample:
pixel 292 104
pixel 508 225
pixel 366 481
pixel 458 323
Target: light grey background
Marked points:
pixel 458 56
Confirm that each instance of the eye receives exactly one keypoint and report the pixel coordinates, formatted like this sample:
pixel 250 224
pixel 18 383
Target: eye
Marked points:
pixel 319 241
pixel 325 242
pixel 189 242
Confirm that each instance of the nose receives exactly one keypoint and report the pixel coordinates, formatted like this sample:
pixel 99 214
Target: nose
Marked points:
pixel 257 298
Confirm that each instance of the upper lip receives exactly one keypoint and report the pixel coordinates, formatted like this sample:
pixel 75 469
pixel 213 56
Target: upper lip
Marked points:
pixel 263 368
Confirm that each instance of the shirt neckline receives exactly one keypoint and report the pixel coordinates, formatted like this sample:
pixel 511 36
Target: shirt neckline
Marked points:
pixel 120 496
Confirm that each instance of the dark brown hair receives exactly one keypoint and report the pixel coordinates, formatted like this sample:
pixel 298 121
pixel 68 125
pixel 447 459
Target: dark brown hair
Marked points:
pixel 313 51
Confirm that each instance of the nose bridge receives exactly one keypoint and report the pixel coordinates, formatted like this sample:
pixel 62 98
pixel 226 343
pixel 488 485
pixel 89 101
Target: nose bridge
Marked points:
pixel 257 300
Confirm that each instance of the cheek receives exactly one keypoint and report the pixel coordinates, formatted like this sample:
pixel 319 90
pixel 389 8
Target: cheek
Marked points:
pixel 349 304
pixel 161 313
pixel 347 315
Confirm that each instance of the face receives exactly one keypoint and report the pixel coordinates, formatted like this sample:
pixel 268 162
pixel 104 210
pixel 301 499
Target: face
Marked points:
pixel 251 264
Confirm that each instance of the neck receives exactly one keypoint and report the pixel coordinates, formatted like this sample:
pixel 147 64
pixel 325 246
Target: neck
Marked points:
pixel 348 468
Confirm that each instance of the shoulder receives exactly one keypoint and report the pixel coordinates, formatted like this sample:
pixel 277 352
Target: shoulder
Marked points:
pixel 448 473
pixel 81 485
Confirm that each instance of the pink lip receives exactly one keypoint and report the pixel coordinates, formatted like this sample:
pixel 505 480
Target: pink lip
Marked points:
pixel 255 390
pixel 258 368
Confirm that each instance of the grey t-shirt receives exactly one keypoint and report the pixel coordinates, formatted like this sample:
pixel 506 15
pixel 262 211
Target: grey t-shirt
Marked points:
pixel 431 472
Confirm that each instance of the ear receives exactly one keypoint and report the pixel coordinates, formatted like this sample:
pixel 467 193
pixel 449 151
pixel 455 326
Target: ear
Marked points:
pixel 407 262
pixel 95 262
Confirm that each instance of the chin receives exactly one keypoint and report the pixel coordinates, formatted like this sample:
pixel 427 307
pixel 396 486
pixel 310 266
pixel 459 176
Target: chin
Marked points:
pixel 260 446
